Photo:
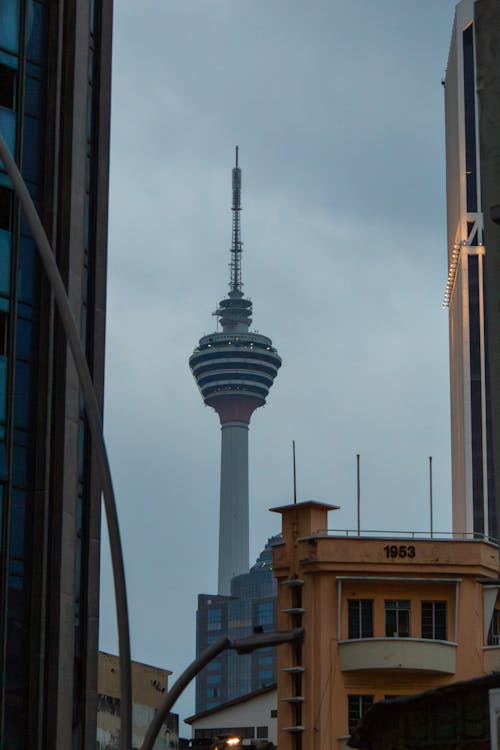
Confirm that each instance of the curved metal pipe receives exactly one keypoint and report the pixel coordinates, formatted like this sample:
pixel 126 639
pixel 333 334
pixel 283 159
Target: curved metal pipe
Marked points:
pixel 181 683
pixel 95 425
pixel 241 646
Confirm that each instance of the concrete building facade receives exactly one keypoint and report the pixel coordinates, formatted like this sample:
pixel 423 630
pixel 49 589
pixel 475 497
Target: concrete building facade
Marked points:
pixel 55 76
pixel 382 617
pixel 149 685
pixel 473 482
pixel 472 95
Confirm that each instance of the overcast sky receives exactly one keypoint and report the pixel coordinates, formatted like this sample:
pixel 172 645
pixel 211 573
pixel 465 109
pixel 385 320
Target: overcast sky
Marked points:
pixel 337 107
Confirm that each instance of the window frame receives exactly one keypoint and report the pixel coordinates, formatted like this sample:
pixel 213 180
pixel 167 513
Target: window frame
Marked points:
pixel 434 625
pixel 357 707
pixel 402 610
pixel 362 608
pixel 494 629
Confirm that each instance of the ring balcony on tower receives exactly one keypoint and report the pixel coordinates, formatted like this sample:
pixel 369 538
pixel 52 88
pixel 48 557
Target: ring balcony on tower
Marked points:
pixel 234 365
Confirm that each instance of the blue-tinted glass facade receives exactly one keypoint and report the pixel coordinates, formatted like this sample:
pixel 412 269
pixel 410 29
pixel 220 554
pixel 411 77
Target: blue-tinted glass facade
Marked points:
pixel 251 606
pixel 22 120
pixel 49 496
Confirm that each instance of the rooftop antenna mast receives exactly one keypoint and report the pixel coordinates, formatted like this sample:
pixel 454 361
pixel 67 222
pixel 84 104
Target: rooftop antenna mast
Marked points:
pixel 236 243
pixel 294 474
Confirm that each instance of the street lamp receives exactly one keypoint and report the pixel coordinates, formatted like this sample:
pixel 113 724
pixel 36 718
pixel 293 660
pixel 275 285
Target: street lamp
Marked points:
pixel 229 742
pixel 241 646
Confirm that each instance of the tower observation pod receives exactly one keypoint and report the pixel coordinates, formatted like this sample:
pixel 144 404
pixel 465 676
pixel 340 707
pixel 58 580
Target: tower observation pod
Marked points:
pixel 234 369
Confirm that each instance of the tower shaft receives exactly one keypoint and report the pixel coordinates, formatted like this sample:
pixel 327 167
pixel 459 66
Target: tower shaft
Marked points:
pixel 233 520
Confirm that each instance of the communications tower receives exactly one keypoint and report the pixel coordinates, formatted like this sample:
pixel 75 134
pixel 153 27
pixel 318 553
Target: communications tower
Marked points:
pixel 234 369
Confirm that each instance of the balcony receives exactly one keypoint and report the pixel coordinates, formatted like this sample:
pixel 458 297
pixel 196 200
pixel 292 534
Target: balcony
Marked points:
pixel 409 654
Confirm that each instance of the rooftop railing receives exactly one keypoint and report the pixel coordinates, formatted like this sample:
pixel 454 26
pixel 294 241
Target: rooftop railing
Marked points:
pixel 395 534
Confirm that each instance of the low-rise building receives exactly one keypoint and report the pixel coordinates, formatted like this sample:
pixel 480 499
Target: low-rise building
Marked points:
pixel 382 617
pixel 251 718
pixel 149 686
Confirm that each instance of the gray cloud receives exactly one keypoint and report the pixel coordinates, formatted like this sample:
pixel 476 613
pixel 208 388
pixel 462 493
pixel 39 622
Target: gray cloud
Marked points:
pixel 337 107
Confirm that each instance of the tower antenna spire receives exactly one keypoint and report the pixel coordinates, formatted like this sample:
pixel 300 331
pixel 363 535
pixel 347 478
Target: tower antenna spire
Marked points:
pixel 236 244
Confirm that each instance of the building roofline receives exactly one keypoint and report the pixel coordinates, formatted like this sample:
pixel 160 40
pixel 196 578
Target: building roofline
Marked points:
pixel 228 704
pixel 304 504
pixel 337 535
pixel 134 661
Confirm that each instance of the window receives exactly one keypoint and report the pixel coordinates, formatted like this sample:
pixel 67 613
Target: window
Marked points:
pixel 397 618
pixel 494 631
pixel 262 733
pixel 265 661
pixel 266 674
pixel 358 705
pixel 214 666
pixel 5 209
pixel 434 620
pixel 265 613
pixel 274 713
pixel 4 321
pixel 214 617
pixel 265 677
pixel 7 87
pixel 360 618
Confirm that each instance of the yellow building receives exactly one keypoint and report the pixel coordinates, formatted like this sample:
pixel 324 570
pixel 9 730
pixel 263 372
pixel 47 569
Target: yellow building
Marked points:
pixel 149 686
pixel 382 616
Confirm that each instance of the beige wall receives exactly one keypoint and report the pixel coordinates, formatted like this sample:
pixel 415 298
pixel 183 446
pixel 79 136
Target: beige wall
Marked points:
pixel 149 686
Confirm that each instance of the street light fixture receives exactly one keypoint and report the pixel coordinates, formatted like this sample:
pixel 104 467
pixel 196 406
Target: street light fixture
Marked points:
pixel 229 742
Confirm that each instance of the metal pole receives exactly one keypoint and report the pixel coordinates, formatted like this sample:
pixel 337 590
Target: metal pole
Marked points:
pixel 358 494
pixel 183 681
pixel 430 495
pixel 95 425
pixel 294 475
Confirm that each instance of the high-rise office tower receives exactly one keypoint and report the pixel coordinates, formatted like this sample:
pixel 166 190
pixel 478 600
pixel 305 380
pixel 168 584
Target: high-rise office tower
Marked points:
pixel 252 605
pixel 234 369
pixel 473 480
pixel 55 61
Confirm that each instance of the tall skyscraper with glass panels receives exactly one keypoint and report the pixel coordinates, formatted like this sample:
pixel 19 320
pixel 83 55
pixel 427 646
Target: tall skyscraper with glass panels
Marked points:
pixel 252 605
pixel 55 61
pixel 473 476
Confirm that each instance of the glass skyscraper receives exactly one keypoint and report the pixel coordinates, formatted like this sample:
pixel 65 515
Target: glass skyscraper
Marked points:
pixel 470 259
pixel 55 63
pixel 251 607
